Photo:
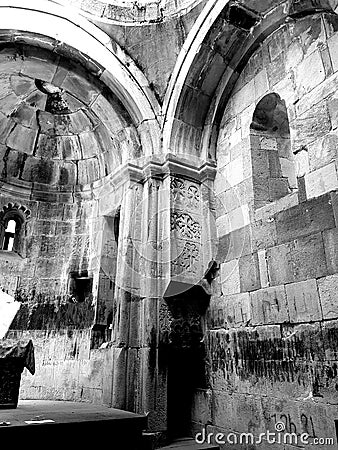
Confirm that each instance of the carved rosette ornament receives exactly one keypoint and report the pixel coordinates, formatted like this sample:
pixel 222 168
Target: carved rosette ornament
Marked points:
pixel 185 192
pixel 185 226
pixel 15 208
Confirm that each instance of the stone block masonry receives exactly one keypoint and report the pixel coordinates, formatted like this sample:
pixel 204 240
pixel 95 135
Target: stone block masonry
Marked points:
pixel 272 323
pixel 189 147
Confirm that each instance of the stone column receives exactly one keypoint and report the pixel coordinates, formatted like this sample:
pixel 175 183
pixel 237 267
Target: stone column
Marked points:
pixel 165 246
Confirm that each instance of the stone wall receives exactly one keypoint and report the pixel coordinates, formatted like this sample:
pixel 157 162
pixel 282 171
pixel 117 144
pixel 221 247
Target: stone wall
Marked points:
pixel 154 43
pixel 272 350
pixel 57 241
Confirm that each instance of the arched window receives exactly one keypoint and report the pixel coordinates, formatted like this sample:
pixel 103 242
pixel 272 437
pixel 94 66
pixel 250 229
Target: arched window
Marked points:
pixel 9 237
pixel 273 168
pixel 12 221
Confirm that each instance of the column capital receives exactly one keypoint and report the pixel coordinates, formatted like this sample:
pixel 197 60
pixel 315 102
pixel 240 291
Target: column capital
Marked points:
pixel 163 166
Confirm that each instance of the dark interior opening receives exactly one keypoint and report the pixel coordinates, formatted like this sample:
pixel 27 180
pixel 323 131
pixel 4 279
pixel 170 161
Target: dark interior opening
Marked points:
pixel 80 286
pixel 187 369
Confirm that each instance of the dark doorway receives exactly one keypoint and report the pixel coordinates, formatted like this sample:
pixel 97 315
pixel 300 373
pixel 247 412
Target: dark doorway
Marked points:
pixel 186 373
pixel 186 357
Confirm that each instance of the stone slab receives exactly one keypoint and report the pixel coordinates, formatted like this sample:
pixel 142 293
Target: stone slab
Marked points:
pixel 298 260
pixel 249 273
pixel 328 287
pixel 269 306
pixel 303 301
pixel 307 218
pixel 321 181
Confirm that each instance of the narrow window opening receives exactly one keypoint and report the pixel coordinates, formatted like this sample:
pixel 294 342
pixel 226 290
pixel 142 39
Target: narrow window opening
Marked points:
pixel 117 224
pixel 9 237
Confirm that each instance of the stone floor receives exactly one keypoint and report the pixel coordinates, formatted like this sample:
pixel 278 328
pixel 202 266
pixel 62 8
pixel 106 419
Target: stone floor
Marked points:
pixel 41 422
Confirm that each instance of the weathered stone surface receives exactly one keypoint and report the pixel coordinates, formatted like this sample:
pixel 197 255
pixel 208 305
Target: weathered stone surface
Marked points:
pixel 302 162
pixel 330 238
pixel 332 45
pixel 263 268
pixel 334 203
pixel 243 412
pixel 259 374
pixel 249 273
pixel 234 198
pixel 243 98
pixel 323 151
pixel 22 139
pixel 303 301
pixel 264 233
pixel 298 260
pixel 329 332
pixel 236 219
pixel 333 111
pixel 310 73
pixel 233 172
pixel 278 188
pixel 311 125
pixel 202 406
pixel 230 277
pixel 261 84
pixel 276 71
pixel 321 181
pixel 327 288
pixel 304 219
pixel 236 310
pixel 233 245
pixel 269 306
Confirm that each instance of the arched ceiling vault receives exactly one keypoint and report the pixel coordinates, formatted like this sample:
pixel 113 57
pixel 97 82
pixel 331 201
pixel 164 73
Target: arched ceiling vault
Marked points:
pixel 68 29
pixel 73 107
pixel 216 51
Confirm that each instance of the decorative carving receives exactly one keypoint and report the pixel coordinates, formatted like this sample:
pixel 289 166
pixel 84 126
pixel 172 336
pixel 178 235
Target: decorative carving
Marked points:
pixel 184 191
pixel 177 188
pixel 80 245
pixel 186 331
pixel 188 309
pixel 16 208
pixel 193 195
pixel 186 260
pixel 165 319
pixel 186 225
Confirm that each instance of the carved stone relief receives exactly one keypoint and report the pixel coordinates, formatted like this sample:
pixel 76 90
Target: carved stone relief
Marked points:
pixel 186 226
pixel 185 192
pixel 186 261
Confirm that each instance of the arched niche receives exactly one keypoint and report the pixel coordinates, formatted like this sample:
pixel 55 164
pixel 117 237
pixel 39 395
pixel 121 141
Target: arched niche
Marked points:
pixel 273 168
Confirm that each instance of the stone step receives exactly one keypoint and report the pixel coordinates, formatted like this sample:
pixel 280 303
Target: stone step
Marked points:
pixel 189 444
